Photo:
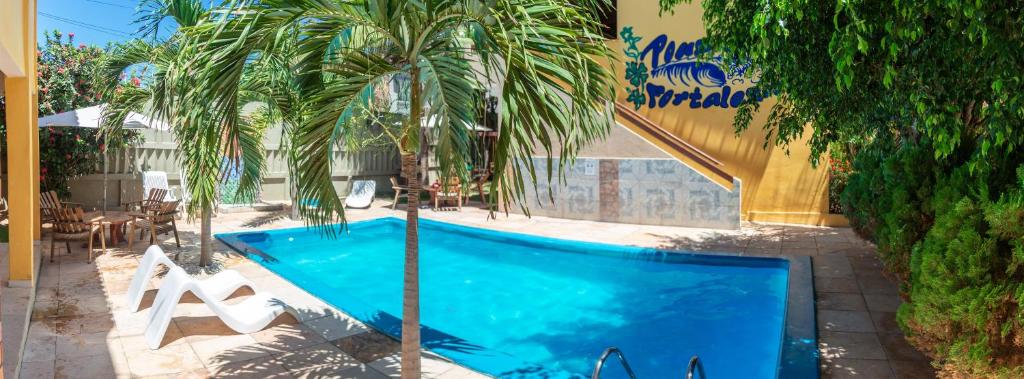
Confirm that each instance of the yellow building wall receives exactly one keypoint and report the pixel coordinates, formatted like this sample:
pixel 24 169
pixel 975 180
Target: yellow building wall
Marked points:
pixel 17 62
pixel 776 186
pixel 12 41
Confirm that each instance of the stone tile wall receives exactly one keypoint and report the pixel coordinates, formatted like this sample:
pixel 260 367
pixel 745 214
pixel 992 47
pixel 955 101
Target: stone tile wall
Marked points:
pixel 636 191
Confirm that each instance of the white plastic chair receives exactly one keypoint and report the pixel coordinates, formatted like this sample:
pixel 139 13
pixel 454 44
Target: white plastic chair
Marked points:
pixel 219 286
pixel 362 194
pixel 249 316
pixel 156 179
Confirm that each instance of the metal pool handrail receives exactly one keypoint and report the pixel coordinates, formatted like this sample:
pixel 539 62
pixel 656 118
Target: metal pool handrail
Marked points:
pixel 604 356
pixel 695 365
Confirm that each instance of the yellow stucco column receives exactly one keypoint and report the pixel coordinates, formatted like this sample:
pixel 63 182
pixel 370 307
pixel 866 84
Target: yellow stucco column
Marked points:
pixel 22 175
pixel 37 225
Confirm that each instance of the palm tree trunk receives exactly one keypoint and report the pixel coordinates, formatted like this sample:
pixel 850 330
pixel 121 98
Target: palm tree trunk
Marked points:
pixel 411 293
pixel 293 176
pixel 204 236
pixel 411 287
pixel 293 194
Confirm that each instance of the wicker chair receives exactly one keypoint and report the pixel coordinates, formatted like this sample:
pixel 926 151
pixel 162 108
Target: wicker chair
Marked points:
pixel 158 219
pixel 154 199
pixel 69 225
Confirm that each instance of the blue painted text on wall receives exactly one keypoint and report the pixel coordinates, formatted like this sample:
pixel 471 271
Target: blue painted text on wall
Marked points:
pixel 683 78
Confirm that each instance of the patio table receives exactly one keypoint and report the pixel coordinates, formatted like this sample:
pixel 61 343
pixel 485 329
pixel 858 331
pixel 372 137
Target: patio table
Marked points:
pixel 431 190
pixel 113 220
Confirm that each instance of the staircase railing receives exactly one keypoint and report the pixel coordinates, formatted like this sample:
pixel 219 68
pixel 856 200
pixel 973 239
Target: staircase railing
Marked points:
pixel 709 165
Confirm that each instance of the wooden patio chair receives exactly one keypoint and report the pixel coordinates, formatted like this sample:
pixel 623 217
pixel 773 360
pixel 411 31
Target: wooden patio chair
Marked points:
pixel 480 178
pixel 158 219
pixel 3 208
pixel 69 225
pixel 398 188
pixel 450 190
pixel 48 201
pixel 154 199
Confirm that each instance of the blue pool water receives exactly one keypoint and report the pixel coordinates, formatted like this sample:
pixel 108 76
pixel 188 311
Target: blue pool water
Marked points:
pixel 522 306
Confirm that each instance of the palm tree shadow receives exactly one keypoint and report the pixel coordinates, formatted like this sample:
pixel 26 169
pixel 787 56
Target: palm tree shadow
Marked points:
pixel 293 349
pixel 189 298
pixel 707 243
pixel 430 338
pixel 312 356
pixel 266 219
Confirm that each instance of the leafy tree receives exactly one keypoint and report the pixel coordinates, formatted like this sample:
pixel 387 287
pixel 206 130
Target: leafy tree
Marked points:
pixel 945 69
pixel 548 54
pixel 930 91
pixel 208 145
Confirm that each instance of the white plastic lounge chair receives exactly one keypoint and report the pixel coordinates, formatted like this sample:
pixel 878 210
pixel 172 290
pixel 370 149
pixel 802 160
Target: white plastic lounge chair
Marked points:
pixel 249 316
pixel 362 194
pixel 219 286
pixel 156 179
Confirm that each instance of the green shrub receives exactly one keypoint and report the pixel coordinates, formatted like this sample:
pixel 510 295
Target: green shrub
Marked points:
pixel 953 232
pixel 861 195
pixel 886 199
pixel 966 303
pixel 839 168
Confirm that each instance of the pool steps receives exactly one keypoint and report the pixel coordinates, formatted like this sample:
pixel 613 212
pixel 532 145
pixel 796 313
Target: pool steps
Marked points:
pixel 693 367
pixel 604 357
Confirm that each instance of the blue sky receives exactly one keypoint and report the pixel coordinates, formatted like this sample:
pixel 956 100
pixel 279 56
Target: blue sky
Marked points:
pixel 94 22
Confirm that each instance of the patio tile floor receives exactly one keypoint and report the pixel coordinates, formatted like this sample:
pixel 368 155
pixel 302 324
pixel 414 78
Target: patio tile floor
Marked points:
pixel 81 324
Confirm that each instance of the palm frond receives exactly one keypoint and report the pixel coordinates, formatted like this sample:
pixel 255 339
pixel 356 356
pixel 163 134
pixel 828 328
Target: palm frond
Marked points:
pixel 450 86
pixel 336 105
pixel 122 103
pixel 152 13
pixel 557 87
pixel 245 145
pixel 549 55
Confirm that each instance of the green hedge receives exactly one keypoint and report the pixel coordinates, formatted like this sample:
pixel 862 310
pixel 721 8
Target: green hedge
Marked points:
pixel 886 200
pixel 953 232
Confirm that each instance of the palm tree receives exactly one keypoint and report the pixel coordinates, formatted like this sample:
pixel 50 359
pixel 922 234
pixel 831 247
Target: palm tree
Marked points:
pixel 548 55
pixel 203 142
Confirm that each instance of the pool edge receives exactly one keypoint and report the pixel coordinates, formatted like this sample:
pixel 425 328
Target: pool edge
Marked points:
pixel 799 355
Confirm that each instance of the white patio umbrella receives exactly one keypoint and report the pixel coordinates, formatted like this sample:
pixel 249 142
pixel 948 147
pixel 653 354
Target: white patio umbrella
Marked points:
pixel 91 117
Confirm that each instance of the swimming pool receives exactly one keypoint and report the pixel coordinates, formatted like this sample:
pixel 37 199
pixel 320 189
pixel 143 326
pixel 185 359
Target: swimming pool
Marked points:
pixel 514 305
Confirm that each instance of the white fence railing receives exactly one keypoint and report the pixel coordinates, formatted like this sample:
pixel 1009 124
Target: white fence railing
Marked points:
pixel 159 153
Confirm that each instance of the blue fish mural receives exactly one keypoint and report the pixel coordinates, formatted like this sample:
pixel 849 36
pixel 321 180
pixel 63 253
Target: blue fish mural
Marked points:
pixel 691 73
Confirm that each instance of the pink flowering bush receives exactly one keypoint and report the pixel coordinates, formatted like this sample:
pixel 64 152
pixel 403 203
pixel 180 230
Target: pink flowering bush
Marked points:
pixel 66 81
pixel 66 74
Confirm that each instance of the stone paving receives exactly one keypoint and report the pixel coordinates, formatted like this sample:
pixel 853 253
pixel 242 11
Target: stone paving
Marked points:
pixel 14 301
pixel 81 328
